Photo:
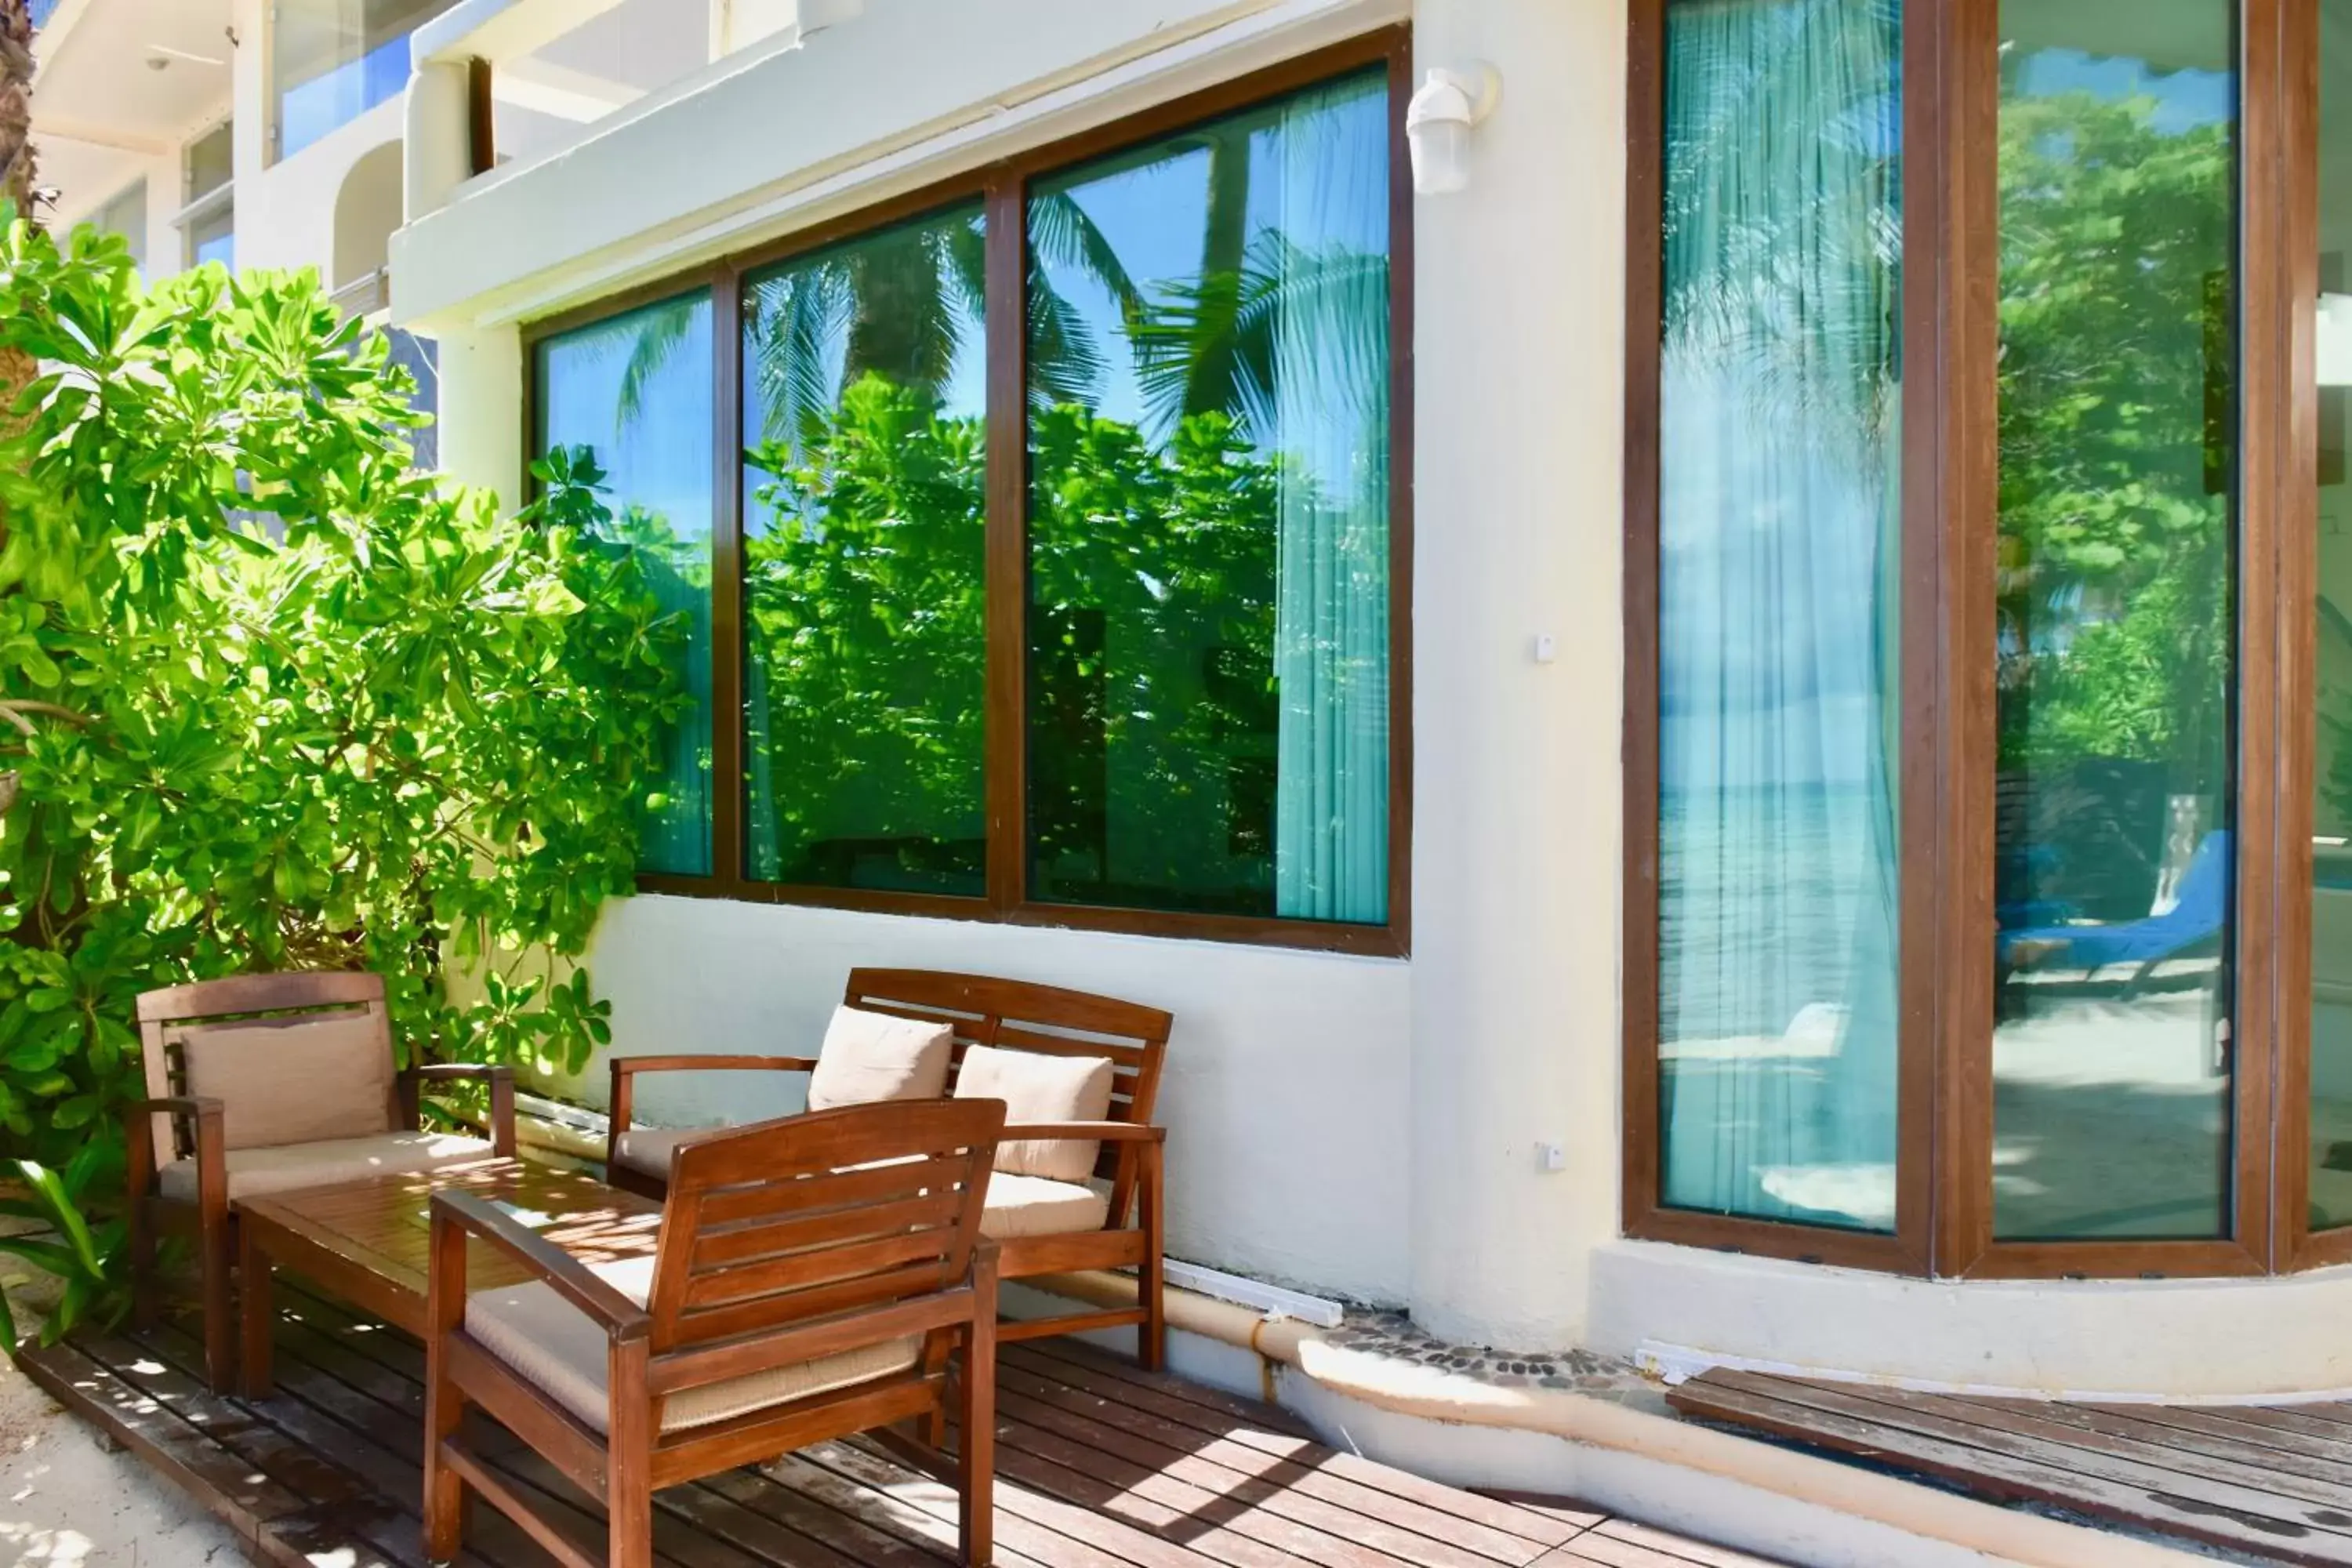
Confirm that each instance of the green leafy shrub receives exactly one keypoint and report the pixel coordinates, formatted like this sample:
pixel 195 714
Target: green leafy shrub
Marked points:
pixel 86 1260
pixel 274 701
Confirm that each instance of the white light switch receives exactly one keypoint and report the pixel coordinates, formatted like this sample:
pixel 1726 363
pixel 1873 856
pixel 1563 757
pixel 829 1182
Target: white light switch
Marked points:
pixel 1546 648
pixel 1552 1156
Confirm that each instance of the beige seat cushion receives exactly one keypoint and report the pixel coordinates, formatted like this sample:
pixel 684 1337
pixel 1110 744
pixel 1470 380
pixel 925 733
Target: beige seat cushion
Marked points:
pixel 868 1057
pixel 1037 1087
pixel 559 1348
pixel 1032 1206
pixel 308 1080
pixel 648 1149
pixel 287 1168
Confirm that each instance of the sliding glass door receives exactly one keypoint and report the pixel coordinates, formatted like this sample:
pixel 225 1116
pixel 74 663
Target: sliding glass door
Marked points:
pixel 1778 571
pixel 2116 638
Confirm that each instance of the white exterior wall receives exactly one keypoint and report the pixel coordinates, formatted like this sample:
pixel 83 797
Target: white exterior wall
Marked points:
pixel 1284 1088
pixel 1518 346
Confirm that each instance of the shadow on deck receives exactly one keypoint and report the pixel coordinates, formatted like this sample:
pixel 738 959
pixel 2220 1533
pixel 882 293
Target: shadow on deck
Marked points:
pixel 1100 1465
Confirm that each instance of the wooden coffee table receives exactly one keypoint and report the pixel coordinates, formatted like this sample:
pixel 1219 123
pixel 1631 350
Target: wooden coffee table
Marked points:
pixel 369 1242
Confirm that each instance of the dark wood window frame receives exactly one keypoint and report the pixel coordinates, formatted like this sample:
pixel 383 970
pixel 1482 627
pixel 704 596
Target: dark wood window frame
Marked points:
pixel 1001 188
pixel 1949 471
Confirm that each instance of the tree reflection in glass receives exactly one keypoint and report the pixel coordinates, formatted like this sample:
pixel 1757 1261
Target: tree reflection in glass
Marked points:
pixel 634 389
pixel 865 670
pixel 1208 525
pixel 2118 381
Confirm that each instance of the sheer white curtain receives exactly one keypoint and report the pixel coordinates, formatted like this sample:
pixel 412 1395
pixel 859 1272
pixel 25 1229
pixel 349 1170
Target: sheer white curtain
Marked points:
pixel 1777 601
pixel 1323 271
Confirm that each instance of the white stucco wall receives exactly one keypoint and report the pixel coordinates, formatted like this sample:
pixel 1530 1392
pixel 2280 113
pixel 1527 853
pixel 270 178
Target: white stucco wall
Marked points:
pixel 1285 1091
pixel 1518 334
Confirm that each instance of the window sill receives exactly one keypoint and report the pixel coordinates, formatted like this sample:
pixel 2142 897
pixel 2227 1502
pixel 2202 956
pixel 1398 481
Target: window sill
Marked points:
pixel 1390 940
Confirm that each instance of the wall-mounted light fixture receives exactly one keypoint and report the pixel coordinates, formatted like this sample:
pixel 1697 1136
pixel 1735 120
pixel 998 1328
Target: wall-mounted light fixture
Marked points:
pixel 1438 124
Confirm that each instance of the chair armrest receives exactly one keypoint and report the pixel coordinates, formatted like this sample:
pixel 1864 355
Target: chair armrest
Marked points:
pixel 622 1066
pixel 621 1318
pixel 500 1080
pixel 211 1148
pixel 1100 1132
pixel 620 1114
pixel 201 1106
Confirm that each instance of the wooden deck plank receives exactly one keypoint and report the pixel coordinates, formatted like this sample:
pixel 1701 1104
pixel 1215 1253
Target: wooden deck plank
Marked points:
pixel 1030 1520
pixel 1408 1529
pixel 226 1485
pixel 1100 1466
pixel 1578 1516
pixel 1174 1509
pixel 1215 1467
pixel 1677 1548
pixel 2211 1447
pixel 2015 1450
pixel 2145 1453
pixel 1231 1406
pixel 1592 1547
pixel 1078 1367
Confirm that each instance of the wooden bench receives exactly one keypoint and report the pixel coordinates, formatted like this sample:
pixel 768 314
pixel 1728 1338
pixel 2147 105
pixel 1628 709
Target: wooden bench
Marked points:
pixel 1010 1014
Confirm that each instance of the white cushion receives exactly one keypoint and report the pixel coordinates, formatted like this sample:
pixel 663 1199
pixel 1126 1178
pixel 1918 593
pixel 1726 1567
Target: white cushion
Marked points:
pixel 561 1349
pixel 868 1057
pixel 1036 1089
pixel 648 1149
pixel 305 1081
pixel 293 1167
pixel 1032 1206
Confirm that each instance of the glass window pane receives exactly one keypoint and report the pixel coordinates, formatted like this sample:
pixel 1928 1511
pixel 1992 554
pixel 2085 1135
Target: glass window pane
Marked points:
pixel 636 389
pixel 212 160
pixel 2117 633
pixel 1208 526
pixel 126 216
pixel 866 652
pixel 1778 609
pixel 332 60
pixel 2331 849
pixel 213 237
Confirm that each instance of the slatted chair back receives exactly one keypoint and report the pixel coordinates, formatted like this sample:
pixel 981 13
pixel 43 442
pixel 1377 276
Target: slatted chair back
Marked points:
pixel 1020 1015
pixel 808 1217
pixel 169 1018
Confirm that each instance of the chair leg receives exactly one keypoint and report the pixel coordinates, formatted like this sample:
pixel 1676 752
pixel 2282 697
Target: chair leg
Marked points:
pixel 444 1490
pixel 1150 1284
pixel 218 1246
pixel 976 1417
pixel 629 1435
pixel 629 1520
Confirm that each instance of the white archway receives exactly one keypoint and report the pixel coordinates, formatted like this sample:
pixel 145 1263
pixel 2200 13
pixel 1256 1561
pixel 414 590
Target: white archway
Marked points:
pixel 367 209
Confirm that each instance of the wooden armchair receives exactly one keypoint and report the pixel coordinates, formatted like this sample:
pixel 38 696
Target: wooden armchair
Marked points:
pixel 812 1278
pixel 263 1084
pixel 1042 1227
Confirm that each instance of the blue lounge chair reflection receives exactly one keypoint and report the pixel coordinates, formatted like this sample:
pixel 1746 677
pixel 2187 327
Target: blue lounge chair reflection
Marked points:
pixel 2193 924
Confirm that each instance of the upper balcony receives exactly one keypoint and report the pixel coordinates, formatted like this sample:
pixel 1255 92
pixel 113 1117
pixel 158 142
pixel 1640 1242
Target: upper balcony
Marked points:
pixel 119 88
pixel 331 61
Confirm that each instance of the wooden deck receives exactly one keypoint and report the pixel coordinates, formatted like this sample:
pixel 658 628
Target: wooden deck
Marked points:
pixel 2267 1483
pixel 1099 1465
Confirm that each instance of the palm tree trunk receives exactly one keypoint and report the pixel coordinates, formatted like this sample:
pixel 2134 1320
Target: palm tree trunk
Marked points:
pixel 1215 381
pixel 17 368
